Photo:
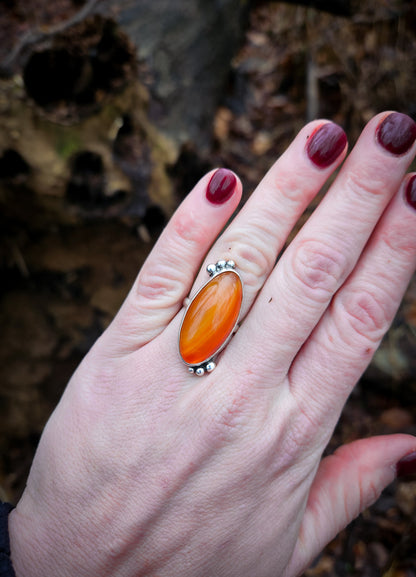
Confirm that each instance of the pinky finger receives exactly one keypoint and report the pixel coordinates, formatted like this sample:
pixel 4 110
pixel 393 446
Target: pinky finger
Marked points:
pixel 168 273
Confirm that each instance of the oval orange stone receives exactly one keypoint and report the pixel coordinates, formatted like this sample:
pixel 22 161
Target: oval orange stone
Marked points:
pixel 210 318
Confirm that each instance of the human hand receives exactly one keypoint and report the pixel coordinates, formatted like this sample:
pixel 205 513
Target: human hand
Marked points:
pixel 145 470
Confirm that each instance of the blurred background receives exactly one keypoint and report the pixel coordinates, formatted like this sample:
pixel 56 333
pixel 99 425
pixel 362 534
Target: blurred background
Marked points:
pixel 110 111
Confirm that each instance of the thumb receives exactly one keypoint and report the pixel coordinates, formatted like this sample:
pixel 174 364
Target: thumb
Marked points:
pixel 347 482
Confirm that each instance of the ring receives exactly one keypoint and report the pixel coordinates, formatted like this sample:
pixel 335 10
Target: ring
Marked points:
pixel 211 318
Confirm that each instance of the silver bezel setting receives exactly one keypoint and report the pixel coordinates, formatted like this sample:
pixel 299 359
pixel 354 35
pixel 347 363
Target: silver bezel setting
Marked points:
pixel 213 270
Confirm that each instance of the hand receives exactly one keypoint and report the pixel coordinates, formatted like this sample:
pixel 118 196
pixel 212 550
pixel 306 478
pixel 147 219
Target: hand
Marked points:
pixel 146 470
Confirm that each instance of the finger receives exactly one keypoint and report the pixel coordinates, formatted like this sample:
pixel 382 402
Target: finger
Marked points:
pixel 259 232
pixel 323 254
pixel 167 275
pixel 360 314
pixel 347 482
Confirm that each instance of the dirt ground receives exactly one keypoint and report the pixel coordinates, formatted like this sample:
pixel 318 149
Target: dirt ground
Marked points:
pixel 63 282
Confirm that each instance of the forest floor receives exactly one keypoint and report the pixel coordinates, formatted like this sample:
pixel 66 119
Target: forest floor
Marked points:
pixel 296 64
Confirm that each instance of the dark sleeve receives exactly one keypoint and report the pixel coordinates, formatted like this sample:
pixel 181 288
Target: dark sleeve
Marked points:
pixel 6 567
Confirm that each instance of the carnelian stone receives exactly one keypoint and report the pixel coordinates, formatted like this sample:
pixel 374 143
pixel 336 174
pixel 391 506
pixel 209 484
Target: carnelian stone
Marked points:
pixel 210 318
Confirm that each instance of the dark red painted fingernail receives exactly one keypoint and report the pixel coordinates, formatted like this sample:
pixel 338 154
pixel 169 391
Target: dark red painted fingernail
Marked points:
pixel 411 191
pixel 326 144
pixel 406 466
pixel 221 186
pixel 397 133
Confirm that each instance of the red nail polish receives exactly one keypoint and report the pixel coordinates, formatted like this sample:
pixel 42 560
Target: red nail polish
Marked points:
pixel 410 193
pixel 326 144
pixel 406 466
pixel 397 133
pixel 221 186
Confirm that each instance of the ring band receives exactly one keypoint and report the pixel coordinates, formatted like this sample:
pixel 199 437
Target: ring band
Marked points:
pixel 211 318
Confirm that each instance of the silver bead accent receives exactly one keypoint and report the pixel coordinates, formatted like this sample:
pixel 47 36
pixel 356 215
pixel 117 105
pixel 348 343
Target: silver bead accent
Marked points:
pixel 211 269
pixel 191 370
pixel 230 264
pixel 221 264
pixel 210 367
pixel 199 371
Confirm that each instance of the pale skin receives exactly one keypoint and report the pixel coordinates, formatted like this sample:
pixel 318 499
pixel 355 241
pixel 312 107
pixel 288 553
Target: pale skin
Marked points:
pixel 145 470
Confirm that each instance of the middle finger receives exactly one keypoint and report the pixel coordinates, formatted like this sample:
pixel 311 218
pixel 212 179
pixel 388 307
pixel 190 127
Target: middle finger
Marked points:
pixel 258 233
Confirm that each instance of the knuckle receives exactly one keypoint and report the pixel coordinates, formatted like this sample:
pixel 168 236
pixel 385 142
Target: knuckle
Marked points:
pixel 297 440
pixel 255 258
pixel 291 188
pixel 295 189
pixel 369 492
pixel 397 241
pixel 366 314
pixel 159 281
pixel 188 228
pixel 365 184
pixel 319 269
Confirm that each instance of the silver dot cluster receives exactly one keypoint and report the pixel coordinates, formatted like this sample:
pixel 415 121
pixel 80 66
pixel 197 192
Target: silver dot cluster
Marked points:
pixel 221 265
pixel 199 371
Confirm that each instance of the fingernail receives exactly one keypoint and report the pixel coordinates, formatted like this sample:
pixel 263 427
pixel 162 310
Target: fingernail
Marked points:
pixel 406 466
pixel 221 186
pixel 411 191
pixel 397 133
pixel 326 144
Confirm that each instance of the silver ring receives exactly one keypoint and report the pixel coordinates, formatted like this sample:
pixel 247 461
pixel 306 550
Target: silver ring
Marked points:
pixel 211 318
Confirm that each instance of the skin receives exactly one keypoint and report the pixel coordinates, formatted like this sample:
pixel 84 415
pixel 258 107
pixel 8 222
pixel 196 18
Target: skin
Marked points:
pixel 144 470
